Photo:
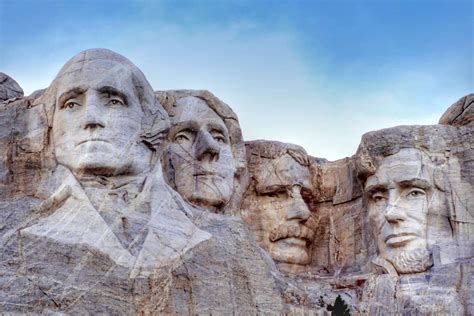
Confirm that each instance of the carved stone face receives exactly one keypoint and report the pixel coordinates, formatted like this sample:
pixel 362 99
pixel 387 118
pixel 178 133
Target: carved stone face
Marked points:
pixel 399 196
pixel 278 213
pixel 200 154
pixel 97 122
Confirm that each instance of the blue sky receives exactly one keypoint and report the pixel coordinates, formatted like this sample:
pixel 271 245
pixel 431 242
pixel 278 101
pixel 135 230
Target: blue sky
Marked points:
pixel 315 73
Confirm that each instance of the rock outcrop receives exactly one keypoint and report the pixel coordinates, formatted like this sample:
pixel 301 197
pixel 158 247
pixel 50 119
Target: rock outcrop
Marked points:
pixel 461 113
pixel 9 88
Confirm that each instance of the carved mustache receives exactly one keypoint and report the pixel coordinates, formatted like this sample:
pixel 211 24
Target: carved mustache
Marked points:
pixel 291 230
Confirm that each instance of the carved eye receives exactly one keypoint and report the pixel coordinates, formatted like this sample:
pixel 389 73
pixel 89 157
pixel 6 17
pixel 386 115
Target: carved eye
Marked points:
pixel 71 104
pixel 181 138
pixel 415 193
pixel 116 102
pixel 184 136
pixel 219 138
pixel 276 194
pixel 378 197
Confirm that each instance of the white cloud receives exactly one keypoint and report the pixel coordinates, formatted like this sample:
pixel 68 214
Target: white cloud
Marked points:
pixel 275 93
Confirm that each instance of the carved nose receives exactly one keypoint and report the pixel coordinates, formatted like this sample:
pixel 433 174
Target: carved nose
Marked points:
pixel 93 116
pixel 206 148
pixel 298 209
pixel 394 213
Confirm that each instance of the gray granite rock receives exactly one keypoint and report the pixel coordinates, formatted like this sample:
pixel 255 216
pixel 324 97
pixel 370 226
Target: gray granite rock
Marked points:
pixel 9 88
pixel 115 199
pixel 461 113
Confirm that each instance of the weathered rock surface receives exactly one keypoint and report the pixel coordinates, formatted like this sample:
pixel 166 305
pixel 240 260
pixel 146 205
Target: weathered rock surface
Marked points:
pixel 9 88
pixel 115 199
pixel 461 113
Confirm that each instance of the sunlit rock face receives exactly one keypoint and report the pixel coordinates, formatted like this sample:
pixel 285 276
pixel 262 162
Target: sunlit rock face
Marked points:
pixel 204 157
pixel 89 224
pixel 275 206
pixel 9 88
pixel 418 192
pixel 118 199
pixel 461 113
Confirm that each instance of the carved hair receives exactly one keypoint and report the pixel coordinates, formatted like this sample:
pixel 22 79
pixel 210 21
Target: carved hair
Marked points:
pixel 258 149
pixel 375 146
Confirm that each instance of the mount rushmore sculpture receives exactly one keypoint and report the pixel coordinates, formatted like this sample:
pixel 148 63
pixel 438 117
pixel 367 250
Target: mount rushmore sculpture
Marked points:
pixel 117 198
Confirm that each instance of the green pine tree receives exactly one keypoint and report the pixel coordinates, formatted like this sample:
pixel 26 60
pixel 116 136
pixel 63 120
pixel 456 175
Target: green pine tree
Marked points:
pixel 339 308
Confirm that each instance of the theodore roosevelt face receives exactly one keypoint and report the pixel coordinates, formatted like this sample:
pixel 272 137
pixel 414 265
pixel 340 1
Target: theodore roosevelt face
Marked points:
pixel 278 212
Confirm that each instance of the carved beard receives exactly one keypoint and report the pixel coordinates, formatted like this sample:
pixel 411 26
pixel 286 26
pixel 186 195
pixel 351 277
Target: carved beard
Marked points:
pixel 412 261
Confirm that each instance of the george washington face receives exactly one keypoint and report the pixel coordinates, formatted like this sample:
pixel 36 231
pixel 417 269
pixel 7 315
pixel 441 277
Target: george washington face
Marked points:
pixel 97 123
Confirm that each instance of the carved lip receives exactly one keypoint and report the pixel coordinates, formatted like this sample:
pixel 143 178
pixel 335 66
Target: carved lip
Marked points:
pixel 295 241
pixel 93 140
pixel 400 238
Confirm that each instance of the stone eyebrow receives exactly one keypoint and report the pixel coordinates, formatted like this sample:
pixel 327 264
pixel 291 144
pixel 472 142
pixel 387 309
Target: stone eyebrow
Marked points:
pixel 375 187
pixel 69 94
pixel 219 128
pixel 182 126
pixel 186 124
pixel 415 182
pixel 114 91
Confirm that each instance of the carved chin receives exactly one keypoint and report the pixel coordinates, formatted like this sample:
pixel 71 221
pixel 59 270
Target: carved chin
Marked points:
pixel 284 251
pixel 412 261
pixel 206 193
pixel 105 164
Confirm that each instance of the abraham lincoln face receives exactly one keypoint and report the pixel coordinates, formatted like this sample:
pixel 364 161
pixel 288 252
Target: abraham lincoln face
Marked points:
pixel 400 195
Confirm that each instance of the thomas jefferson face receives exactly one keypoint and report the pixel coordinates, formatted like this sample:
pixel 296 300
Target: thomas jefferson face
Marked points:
pixel 278 213
pixel 399 195
pixel 97 122
pixel 200 154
